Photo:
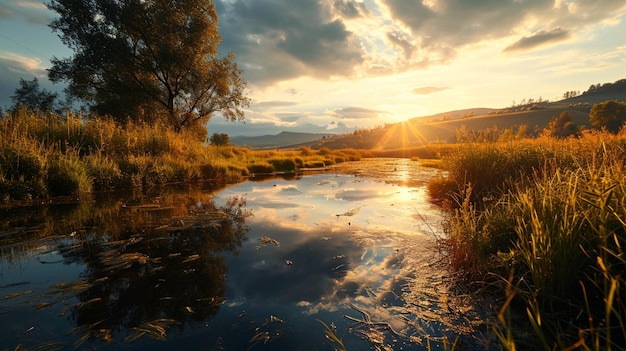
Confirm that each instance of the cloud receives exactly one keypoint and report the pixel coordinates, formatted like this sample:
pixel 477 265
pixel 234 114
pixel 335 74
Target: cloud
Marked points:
pixel 428 90
pixel 277 40
pixel 538 39
pixel 446 26
pixel 270 104
pixel 356 113
pixel 290 117
pixel 32 11
pixel 350 9
pixel 13 67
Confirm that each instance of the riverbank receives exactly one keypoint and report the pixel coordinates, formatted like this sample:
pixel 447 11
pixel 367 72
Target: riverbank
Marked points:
pixel 541 223
pixel 44 155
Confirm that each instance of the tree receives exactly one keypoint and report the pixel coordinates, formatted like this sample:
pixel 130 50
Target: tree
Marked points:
pixel 31 96
pixel 562 126
pixel 149 60
pixel 610 114
pixel 220 139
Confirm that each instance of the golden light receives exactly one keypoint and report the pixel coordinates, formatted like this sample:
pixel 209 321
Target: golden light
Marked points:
pixel 401 135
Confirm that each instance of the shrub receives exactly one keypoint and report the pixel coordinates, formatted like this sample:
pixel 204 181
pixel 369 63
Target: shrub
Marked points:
pixel 21 163
pixel 261 168
pixel 283 164
pixel 67 176
pixel 104 171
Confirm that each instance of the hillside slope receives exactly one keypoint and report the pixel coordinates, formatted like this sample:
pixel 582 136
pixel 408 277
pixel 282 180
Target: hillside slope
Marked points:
pixel 281 140
pixel 442 128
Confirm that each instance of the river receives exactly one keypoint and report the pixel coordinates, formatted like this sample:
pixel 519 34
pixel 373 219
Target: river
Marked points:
pixel 346 258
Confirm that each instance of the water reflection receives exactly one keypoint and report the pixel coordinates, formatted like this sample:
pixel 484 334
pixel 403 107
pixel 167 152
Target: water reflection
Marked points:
pixel 347 253
pixel 149 263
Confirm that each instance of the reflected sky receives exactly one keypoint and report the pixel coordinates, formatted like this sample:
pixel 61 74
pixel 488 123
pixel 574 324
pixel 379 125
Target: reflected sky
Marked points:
pixel 352 249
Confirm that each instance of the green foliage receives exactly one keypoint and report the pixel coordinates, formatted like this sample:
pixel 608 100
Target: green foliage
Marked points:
pixel 29 95
pixel 609 114
pixel 150 61
pixel 67 176
pixel 561 126
pixel 283 164
pixel 220 139
pixel 261 168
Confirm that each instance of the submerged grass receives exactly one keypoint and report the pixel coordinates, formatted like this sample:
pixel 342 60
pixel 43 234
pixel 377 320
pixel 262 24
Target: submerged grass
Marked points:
pixel 549 215
pixel 44 155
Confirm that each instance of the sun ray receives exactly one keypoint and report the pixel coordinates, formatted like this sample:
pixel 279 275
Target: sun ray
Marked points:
pixel 401 136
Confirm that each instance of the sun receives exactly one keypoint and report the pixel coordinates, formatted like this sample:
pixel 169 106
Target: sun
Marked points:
pixel 401 135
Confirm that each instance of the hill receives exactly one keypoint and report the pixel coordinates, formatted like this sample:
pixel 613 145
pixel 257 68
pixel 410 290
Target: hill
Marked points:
pixel 281 140
pixel 442 127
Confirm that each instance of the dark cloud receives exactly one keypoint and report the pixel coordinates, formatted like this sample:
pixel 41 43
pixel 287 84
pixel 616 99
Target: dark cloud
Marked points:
pixel 428 90
pixel 538 39
pixel 350 9
pixel 451 23
pixel 401 40
pixel 276 40
pixel 357 113
pixel 448 25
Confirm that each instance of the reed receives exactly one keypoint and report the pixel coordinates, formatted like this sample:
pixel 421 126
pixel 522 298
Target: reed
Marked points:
pixel 554 223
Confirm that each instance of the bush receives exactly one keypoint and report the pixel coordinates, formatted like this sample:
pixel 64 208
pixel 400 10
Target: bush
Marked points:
pixel 261 168
pixel 67 177
pixel 21 163
pixel 283 164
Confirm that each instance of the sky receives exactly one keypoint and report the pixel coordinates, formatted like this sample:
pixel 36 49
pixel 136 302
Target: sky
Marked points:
pixel 333 66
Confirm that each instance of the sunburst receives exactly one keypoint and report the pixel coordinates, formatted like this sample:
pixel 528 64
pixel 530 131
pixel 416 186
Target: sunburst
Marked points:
pixel 401 135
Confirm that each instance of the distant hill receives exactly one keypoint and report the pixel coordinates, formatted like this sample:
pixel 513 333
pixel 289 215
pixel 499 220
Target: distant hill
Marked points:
pixel 442 127
pixel 281 140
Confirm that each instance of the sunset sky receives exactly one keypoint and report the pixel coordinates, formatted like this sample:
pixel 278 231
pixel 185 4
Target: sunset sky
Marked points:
pixel 335 65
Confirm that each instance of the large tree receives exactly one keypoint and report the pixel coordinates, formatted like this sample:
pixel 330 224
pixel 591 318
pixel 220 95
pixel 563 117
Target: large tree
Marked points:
pixel 150 60
pixel 609 114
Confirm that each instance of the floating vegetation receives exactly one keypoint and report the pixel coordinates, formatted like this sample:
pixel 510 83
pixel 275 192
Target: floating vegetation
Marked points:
pixel 264 240
pixel 191 258
pixel 374 332
pixel 156 329
pixel 73 288
pixel 41 305
pixel 329 332
pixel 259 337
pixel 14 295
pixel 91 331
pixel 267 335
pixel 123 261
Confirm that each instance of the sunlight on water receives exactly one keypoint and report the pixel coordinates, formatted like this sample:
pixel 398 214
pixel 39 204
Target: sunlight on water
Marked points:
pixel 343 258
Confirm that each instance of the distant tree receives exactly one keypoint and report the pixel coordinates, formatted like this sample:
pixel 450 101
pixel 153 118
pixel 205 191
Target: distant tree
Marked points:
pixel 609 114
pixel 220 139
pixel 150 60
pixel 562 126
pixel 31 96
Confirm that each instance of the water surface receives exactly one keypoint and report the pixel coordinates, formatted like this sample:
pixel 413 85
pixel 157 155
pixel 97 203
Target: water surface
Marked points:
pixel 278 264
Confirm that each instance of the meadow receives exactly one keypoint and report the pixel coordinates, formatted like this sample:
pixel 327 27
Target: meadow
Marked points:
pixel 540 224
pixel 44 155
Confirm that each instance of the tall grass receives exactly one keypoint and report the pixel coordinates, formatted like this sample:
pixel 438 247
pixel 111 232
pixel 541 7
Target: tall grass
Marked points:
pixel 549 215
pixel 43 154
